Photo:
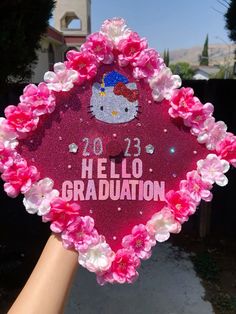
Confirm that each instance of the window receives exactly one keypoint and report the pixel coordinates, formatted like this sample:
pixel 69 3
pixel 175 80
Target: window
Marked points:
pixel 74 24
pixel 70 22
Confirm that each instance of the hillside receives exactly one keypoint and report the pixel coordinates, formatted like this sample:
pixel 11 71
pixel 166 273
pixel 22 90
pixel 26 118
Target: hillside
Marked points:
pixel 218 54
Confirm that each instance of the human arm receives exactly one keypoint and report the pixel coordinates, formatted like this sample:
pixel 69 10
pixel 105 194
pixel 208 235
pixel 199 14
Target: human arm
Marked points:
pixel 48 286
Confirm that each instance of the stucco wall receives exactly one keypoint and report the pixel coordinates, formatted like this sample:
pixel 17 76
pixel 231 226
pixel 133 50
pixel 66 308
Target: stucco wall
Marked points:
pixel 43 61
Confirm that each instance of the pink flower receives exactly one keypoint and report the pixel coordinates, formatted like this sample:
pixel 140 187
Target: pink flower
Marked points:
pixel 38 199
pixel 163 84
pixel 8 137
pixel 7 157
pixel 162 224
pixel 123 268
pixel 80 234
pixel 181 204
pixel 226 148
pixel 62 79
pixel 204 126
pixel 21 118
pixel 196 188
pixel 140 241
pixel 130 48
pixel 97 258
pixel 115 30
pixel 211 133
pixel 183 102
pixel 40 99
pixel 84 63
pixel 147 63
pixel 61 214
pixel 19 178
pixel 100 46
pixel 199 114
pixel 212 170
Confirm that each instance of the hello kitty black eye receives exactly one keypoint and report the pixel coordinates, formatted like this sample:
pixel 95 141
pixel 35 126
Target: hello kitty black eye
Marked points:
pixel 101 108
pixel 126 109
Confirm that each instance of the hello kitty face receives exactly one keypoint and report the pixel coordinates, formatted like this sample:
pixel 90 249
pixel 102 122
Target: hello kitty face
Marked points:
pixel 114 104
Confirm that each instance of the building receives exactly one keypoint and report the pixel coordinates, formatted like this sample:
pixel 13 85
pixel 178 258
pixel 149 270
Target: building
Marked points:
pixel 206 72
pixel 72 23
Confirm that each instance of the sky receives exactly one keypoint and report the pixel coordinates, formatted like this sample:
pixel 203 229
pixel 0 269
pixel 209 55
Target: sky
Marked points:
pixel 167 24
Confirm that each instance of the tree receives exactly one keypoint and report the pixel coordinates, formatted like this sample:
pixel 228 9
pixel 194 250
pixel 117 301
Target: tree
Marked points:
pixel 230 18
pixel 166 57
pixel 183 69
pixel 204 58
pixel 22 24
pixel 225 72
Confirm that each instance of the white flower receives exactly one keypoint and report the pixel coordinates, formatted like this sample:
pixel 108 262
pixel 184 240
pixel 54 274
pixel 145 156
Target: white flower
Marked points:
pixel 163 84
pixel 8 137
pixel 162 224
pixel 62 79
pixel 38 198
pixel 212 169
pixel 97 258
pixel 115 29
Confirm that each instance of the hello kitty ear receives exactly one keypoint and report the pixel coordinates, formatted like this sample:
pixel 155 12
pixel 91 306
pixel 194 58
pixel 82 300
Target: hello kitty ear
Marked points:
pixel 131 85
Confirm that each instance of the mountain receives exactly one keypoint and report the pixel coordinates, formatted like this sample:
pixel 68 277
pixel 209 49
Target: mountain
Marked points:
pixel 218 54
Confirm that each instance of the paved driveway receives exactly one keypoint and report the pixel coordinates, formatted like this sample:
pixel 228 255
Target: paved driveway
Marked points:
pixel 167 285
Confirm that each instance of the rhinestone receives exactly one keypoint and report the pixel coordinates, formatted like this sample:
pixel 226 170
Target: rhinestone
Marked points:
pixel 140 212
pixel 174 175
pixel 150 170
pixel 60 138
pixel 195 152
pixel 114 238
pixel 172 150
pixel 69 166
pixel 150 149
pixel 73 148
pixel 91 211
pixel 165 130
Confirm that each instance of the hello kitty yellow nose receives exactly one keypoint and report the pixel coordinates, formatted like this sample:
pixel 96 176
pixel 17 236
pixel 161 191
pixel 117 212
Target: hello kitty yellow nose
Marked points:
pixel 114 113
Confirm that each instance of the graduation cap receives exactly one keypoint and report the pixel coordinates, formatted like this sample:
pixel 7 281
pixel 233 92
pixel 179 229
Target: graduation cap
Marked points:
pixel 111 79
